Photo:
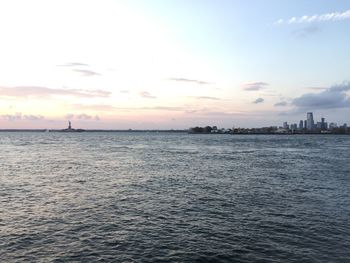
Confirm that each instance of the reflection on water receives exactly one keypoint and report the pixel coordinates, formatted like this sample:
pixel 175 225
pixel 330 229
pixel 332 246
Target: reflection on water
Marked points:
pixel 141 197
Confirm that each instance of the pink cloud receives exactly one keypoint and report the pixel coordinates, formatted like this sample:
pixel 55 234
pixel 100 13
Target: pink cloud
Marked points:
pixel 38 91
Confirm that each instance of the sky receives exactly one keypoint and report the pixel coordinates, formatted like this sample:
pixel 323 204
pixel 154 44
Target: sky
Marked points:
pixel 175 64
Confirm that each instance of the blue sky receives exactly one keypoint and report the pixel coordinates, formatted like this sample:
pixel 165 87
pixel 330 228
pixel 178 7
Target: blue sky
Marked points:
pixel 172 64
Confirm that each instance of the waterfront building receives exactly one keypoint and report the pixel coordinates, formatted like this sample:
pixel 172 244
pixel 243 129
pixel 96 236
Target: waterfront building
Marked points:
pixel 323 124
pixel 305 124
pixel 301 125
pixel 285 125
pixel 310 121
pixel 294 127
pixel 333 125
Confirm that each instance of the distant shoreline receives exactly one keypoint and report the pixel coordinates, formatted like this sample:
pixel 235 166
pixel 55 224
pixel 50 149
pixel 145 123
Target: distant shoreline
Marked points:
pixel 163 131
pixel 84 131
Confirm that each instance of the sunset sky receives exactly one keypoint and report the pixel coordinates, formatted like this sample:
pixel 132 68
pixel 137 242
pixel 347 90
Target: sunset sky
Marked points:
pixel 172 64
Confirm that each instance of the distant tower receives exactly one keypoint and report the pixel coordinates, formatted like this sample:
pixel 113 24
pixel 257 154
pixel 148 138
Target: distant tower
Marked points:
pixel 69 125
pixel 301 125
pixel 323 124
pixel 309 121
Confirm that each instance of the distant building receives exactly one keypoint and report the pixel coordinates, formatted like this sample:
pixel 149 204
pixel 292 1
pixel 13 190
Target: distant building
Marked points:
pixel 301 125
pixel 324 125
pixel 305 124
pixel 285 125
pixel 333 125
pixel 310 121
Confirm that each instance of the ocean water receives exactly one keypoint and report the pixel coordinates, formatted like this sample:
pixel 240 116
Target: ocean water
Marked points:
pixel 166 197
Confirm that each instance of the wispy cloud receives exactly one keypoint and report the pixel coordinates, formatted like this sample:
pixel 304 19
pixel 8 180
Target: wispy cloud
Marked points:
pixel 223 113
pixel 147 95
pixel 204 98
pixel 335 16
pixel 333 97
pixel 214 112
pixel 69 116
pixel 110 108
pixel 20 116
pixel 76 67
pixel 93 107
pixel 73 64
pixel 253 86
pixel 200 82
pixel 163 108
pixel 37 91
pixel 82 116
pixel 86 72
pixel 33 117
pixel 258 100
pixel 317 88
pixel 281 104
pixel 306 31
pixel 190 111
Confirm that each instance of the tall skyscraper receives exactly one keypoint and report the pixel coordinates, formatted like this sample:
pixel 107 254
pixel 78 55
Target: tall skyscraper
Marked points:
pixel 309 121
pixel 323 124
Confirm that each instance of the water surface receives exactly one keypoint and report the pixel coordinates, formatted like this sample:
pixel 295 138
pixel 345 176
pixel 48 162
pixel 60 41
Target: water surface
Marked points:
pixel 166 197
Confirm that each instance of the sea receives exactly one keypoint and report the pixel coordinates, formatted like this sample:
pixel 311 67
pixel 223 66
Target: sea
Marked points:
pixel 174 197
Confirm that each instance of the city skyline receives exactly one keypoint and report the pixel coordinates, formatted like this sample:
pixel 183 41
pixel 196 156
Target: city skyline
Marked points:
pixel 172 64
pixel 309 124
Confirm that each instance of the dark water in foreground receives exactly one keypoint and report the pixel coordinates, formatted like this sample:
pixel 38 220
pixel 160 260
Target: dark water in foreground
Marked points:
pixel 127 197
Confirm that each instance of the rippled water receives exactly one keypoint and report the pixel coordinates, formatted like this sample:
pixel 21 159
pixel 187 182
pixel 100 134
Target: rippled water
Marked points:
pixel 147 197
